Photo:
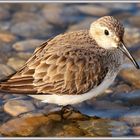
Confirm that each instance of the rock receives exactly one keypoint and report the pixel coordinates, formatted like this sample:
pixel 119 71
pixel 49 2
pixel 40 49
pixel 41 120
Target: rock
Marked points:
pixel 136 130
pixel 4 58
pixel 16 107
pixel 54 125
pixel 16 63
pixel 24 55
pixel 59 15
pixel 27 45
pixel 121 88
pixel 5 25
pixel 104 108
pixel 118 6
pixel 23 16
pixel 4 14
pixel 123 16
pixel 84 24
pixel 93 10
pixel 103 127
pixel 7 37
pixel 131 76
pixel 135 20
pixel 29 7
pixel 132 36
pixel 5 71
pixel 104 104
pixel 32 28
pixel 6 97
pixel 129 98
pixel 26 126
pixel 132 117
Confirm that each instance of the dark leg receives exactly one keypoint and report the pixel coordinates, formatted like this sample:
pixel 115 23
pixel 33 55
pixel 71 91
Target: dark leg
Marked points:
pixel 67 110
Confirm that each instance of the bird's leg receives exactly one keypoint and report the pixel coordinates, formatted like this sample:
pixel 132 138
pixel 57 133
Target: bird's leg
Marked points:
pixel 67 110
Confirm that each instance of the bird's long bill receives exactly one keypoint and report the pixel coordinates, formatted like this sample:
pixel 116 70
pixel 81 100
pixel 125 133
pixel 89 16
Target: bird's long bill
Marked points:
pixel 126 52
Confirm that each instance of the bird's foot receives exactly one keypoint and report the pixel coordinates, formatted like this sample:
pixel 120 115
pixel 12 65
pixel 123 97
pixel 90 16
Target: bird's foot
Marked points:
pixel 67 110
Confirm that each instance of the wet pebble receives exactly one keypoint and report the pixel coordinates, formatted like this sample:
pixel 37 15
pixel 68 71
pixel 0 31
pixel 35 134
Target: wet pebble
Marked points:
pixel 16 107
pixel 136 130
pixel 131 76
pixel 58 15
pixel 84 24
pixel 132 36
pixel 129 98
pixel 16 62
pixel 93 10
pixel 132 117
pixel 121 88
pixel 27 45
pixel 7 37
pixel 24 55
pixel 75 124
pixel 32 29
pixel 4 14
pixel 5 25
pixel 104 104
pixel 135 20
pixel 5 71
pixel 23 16
pixel 104 127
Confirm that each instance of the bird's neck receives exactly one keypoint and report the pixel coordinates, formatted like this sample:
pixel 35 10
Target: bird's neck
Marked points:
pixel 115 59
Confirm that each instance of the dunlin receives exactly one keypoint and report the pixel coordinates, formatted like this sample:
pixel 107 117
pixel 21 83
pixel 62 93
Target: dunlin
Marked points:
pixel 73 67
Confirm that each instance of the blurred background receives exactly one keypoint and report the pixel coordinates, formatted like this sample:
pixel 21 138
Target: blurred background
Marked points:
pixel 23 27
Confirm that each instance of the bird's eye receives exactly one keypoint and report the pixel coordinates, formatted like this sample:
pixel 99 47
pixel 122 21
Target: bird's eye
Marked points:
pixel 106 32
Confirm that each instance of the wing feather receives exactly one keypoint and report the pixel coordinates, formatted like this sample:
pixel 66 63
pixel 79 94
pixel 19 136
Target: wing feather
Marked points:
pixel 60 66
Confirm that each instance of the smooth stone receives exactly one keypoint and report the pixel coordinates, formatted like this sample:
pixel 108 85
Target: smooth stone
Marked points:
pixel 118 6
pixel 23 16
pixel 131 76
pixel 4 58
pixel 132 117
pixel 129 98
pixel 60 15
pixel 132 36
pixel 5 25
pixel 6 97
pixel 136 130
pixel 84 24
pixel 4 14
pixel 7 37
pixel 31 7
pixel 123 16
pixel 104 104
pixel 104 128
pixel 135 20
pixel 121 88
pixel 32 29
pixel 15 62
pixel 27 45
pixel 24 55
pixel 73 124
pixel 5 71
pixel 16 107
pixel 106 109
pixel 93 10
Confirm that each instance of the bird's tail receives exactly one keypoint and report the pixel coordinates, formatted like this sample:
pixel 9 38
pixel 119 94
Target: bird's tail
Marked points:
pixel 17 85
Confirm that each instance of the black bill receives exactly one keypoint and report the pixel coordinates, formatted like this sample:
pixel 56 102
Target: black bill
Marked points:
pixel 126 52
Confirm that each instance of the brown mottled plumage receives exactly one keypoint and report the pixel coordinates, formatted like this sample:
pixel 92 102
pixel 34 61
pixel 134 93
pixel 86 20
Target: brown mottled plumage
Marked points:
pixel 61 68
pixel 73 63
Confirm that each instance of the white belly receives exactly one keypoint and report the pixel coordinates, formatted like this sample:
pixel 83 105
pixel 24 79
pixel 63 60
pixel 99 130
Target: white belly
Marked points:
pixel 74 99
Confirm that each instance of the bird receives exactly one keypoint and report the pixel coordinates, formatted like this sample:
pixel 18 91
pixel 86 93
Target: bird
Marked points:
pixel 73 67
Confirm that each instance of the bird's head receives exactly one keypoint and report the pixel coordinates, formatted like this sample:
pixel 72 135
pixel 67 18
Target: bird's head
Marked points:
pixel 108 33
